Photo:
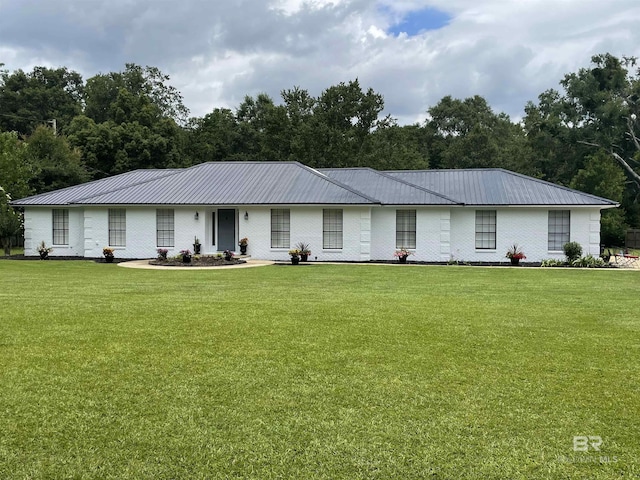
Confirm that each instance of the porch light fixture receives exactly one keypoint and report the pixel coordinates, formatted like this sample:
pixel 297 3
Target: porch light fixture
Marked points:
pixel 246 215
pixel 196 216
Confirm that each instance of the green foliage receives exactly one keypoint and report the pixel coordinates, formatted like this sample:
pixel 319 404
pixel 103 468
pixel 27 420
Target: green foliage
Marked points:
pixel 137 374
pixel 572 250
pixel 588 261
pixel 613 227
pixel 553 262
pixel 468 134
pixel 15 167
pixel 10 221
pixel 28 100
pixel 594 116
pixel 55 164
pixel 600 176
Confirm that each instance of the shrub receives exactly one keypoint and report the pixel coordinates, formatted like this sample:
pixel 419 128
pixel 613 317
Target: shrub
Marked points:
pixel 588 262
pixel 552 262
pixel 572 250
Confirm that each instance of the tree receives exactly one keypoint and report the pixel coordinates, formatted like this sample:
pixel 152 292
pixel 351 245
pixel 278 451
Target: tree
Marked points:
pixel 138 93
pixel 343 117
pixel 468 134
pixel 55 164
pixel 10 222
pixel 15 169
pixel 263 129
pixel 15 173
pixel 597 110
pixel 213 138
pixel 602 177
pixel 130 122
pixel 391 147
pixel 28 100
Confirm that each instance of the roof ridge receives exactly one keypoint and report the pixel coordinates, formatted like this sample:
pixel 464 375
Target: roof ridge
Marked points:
pixel 563 187
pixel 386 175
pixel 339 184
pixel 173 171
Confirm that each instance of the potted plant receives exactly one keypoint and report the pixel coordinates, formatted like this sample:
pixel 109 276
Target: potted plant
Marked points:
pixel 243 245
pixel 228 255
pixel 295 256
pixel 303 248
pixel 44 251
pixel 196 246
pixel 108 254
pixel 162 253
pixel 186 255
pixel 515 254
pixel 402 255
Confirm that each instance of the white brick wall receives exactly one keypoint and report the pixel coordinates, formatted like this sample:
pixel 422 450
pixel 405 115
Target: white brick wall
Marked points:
pixel 429 235
pixel 306 226
pixel 368 233
pixel 528 227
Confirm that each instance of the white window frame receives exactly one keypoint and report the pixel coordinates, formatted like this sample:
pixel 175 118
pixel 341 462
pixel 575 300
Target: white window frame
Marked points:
pixel 165 227
pixel 60 226
pixel 332 228
pixel 280 228
pixel 117 227
pixel 559 229
pixel 486 228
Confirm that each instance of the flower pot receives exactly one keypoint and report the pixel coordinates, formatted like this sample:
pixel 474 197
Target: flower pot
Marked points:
pixel 196 248
pixel 186 259
pixel 295 260
pixel 243 249
pixel 402 259
pixel 515 261
pixel 44 255
pixel 108 259
pixel 304 257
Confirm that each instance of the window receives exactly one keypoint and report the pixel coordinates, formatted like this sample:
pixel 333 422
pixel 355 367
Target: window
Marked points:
pixel 332 228
pixel 486 229
pixel 117 227
pixel 164 227
pixel 60 226
pixel 280 228
pixel 405 229
pixel 559 229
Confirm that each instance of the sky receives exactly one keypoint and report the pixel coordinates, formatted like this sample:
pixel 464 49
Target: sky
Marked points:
pixel 413 52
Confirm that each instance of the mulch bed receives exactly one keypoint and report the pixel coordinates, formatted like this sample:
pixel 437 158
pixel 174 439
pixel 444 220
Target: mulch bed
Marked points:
pixel 204 261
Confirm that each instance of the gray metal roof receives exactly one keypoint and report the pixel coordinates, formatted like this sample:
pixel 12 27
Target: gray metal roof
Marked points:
pixel 215 183
pixel 291 183
pixel 237 183
pixel 387 189
pixel 70 195
pixel 495 186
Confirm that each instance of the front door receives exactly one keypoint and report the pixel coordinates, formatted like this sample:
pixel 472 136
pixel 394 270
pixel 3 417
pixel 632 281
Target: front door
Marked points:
pixel 226 230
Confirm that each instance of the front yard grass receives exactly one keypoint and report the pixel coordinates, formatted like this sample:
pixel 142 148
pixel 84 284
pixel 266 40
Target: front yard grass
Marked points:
pixel 330 371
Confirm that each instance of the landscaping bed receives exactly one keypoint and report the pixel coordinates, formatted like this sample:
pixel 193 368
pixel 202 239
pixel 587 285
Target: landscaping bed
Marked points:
pixel 197 261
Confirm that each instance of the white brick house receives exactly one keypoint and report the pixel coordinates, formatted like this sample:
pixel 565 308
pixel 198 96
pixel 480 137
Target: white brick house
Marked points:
pixel 344 214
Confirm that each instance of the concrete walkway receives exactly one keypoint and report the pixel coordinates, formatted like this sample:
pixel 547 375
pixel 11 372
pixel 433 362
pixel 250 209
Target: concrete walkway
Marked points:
pixel 144 264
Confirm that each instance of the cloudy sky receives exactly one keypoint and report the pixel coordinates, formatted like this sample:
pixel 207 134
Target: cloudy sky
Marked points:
pixel 413 52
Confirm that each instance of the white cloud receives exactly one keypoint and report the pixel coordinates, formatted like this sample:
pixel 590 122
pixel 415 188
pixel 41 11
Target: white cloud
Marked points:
pixel 507 51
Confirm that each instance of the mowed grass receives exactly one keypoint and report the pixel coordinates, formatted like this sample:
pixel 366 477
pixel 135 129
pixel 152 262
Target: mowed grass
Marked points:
pixel 323 371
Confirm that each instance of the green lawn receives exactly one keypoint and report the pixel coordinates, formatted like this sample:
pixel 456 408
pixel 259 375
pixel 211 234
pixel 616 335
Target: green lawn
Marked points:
pixel 331 371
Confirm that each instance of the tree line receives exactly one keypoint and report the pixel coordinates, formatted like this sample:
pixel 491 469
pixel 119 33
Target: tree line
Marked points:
pixel 58 130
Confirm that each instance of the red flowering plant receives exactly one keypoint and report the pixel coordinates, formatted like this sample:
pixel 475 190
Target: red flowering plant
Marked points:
pixel 515 252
